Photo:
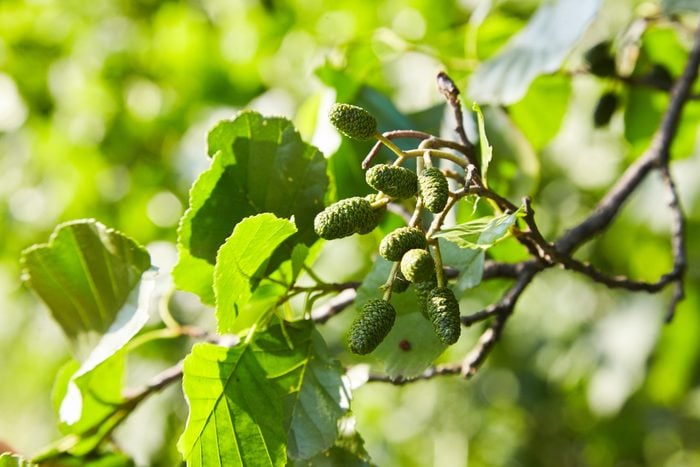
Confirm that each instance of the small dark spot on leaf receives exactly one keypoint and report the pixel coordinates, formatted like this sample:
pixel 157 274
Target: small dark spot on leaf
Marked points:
pixel 405 345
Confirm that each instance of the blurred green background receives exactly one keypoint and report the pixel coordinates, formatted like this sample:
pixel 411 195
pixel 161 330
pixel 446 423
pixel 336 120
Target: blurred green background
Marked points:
pixel 104 109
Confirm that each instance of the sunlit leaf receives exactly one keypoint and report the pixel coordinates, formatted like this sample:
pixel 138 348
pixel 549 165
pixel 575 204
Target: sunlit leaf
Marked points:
pixel 539 114
pixel 246 402
pixel 484 145
pixel 83 400
pixel 259 165
pixel 85 274
pixel 515 171
pixel 240 262
pixel 479 233
pixel 540 47
pixel 10 460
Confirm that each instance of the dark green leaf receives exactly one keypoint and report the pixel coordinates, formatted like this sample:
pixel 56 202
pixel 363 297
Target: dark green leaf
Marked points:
pixel 259 165
pixel 320 401
pixel 85 274
pixel 239 262
pixel 349 451
pixel 540 47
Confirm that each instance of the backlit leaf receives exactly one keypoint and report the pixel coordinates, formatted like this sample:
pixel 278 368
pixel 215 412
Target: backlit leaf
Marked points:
pixel 259 165
pixel 240 261
pixel 246 402
pixel 85 274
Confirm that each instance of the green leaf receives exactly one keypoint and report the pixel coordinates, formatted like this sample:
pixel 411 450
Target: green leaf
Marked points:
pixel 642 115
pixel 410 328
pixel 129 321
pixel 540 47
pixel 468 261
pixel 90 406
pixel 348 451
pixel 235 413
pixel 485 148
pixel 645 107
pixel 85 274
pixel 539 114
pixel 82 444
pixel 109 459
pixel 480 233
pixel 90 397
pixel 320 401
pixel 241 260
pixel 515 172
pixel 247 401
pixel 11 460
pixel 259 165
pixel 298 259
pixel 672 370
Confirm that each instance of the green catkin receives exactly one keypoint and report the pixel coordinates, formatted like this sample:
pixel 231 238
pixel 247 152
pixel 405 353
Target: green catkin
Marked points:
pixel 434 189
pixel 600 60
pixel 396 182
pixel 346 217
pixel 604 109
pixel 422 290
pixel 443 312
pixel 353 121
pixel 398 242
pixel 378 213
pixel 371 327
pixel 417 265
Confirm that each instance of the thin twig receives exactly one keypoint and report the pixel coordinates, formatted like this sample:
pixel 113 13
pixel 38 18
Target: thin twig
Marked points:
pixel 391 135
pixel 677 240
pixel 158 382
pixel 334 306
pixel 450 91
pixel 432 372
pixel 476 357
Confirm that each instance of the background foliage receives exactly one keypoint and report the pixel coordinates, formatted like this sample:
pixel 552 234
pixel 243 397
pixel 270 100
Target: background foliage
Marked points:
pixel 104 108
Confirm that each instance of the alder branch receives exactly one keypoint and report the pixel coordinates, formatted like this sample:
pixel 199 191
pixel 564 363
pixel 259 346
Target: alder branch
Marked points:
pixel 657 153
pixel 547 254
pixel 157 383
